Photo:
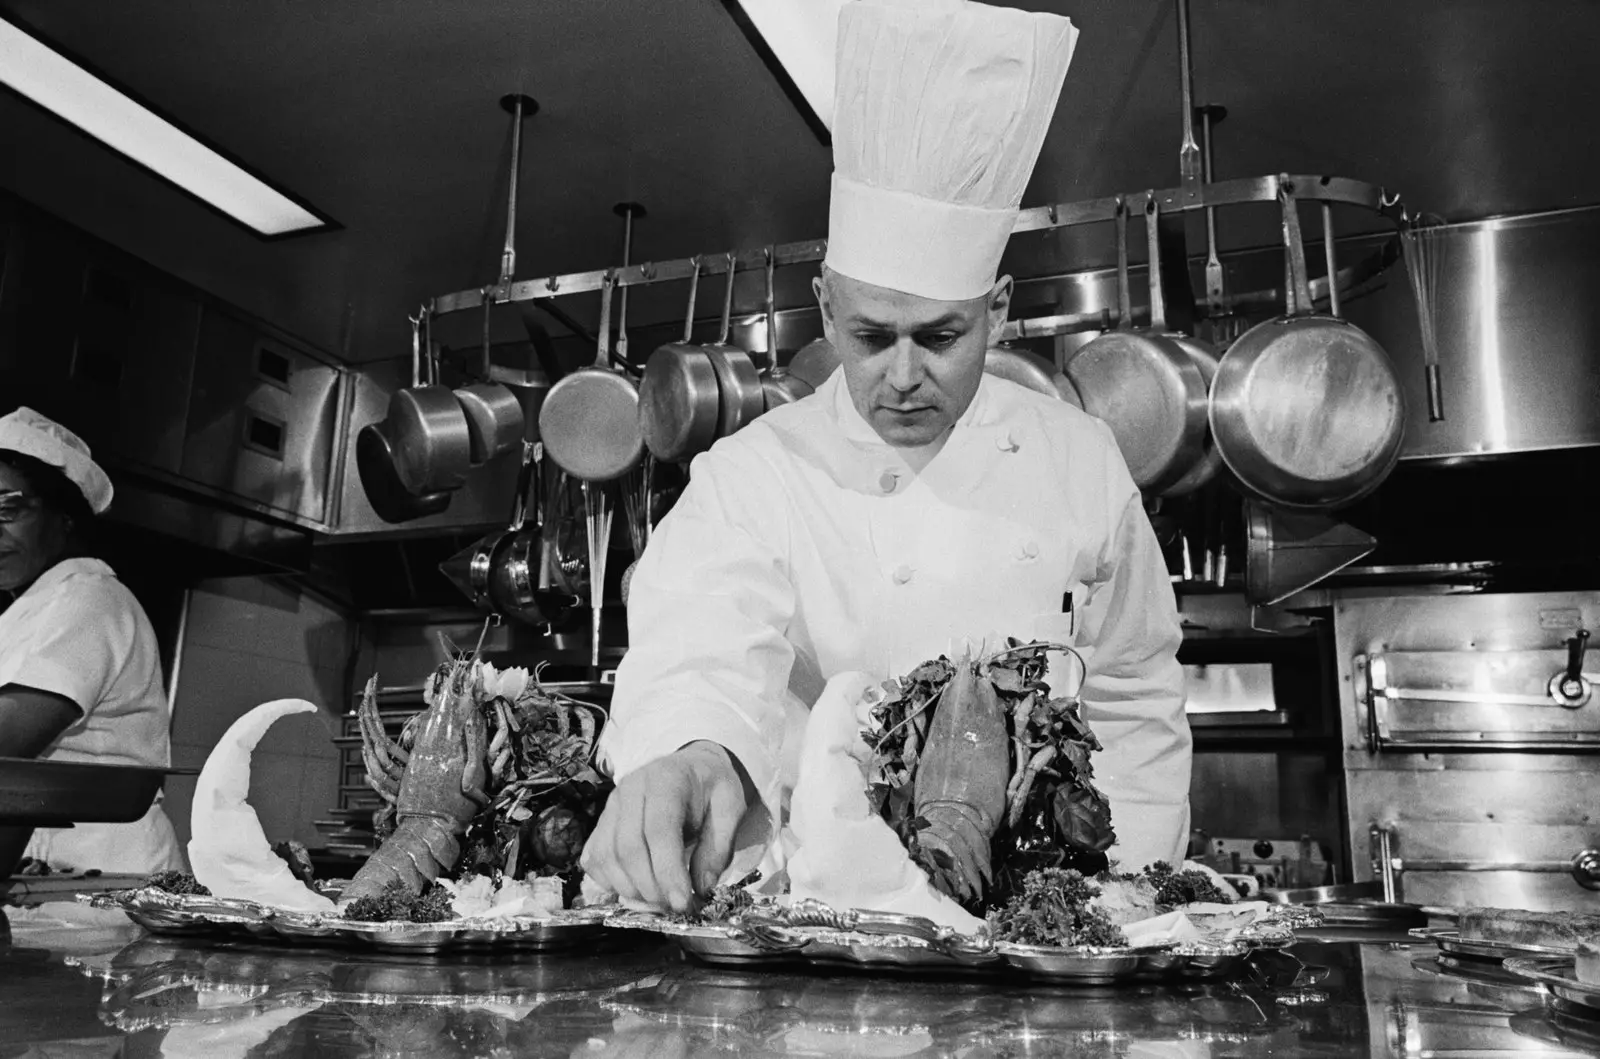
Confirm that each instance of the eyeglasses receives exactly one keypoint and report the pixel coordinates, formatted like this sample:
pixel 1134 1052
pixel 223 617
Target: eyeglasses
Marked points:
pixel 14 505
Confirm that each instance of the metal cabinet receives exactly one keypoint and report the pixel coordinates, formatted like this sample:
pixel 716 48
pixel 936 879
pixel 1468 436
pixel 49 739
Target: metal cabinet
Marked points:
pixel 132 363
pixel 262 417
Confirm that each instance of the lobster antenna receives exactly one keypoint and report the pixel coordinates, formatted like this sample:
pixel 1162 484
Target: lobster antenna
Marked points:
pixel 488 623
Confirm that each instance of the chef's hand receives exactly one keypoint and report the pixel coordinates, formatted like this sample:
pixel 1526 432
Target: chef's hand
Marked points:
pixel 670 822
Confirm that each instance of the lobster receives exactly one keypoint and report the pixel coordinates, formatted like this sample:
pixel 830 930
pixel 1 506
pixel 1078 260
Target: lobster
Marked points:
pixel 980 770
pixel 432 784
pixel 961 785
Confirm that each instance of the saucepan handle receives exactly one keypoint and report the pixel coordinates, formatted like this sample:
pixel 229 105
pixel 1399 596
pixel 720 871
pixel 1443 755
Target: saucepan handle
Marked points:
pixel 1298 294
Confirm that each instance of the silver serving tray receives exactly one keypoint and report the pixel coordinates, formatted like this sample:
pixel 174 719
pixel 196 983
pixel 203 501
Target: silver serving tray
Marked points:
pixel 190 915
pixel 1449 941
pixel 1560 977
pixel 809 932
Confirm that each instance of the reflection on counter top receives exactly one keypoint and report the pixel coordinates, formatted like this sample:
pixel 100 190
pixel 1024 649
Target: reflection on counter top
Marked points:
pixel 150 996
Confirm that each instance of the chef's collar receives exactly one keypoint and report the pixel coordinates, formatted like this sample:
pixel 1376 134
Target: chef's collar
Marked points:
pixel 853 426
pixel 61 571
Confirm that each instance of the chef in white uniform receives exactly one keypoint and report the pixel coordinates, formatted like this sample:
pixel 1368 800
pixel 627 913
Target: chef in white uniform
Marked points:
pixel 911 505
pixel 80 672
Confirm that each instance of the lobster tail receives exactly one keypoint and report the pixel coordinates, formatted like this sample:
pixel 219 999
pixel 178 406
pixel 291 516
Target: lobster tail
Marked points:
pixel 420 850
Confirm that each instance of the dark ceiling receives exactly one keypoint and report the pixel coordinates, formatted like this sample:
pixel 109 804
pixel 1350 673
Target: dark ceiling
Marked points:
pixel 385 117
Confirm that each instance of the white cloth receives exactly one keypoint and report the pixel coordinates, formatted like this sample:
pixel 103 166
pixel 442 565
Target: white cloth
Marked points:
pixel 78 632
pixel 228 850
pixel 786 562
pixel 939 113
pixel 32 434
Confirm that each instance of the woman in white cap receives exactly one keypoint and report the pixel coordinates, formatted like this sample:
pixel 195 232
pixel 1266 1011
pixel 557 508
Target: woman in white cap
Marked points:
pixel 911 503
pixel 80 672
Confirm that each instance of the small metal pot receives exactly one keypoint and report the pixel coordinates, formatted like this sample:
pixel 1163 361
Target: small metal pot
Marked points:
pixel 432 447
pixel 814 362
pixel 1305 408
pixel 1210 462
pixel 778 385
pixel 389 497
pixel 589 422
pixel 1023 368
pixel 495 422
pixel 679 403
pixel 1142 384
pixel 738 382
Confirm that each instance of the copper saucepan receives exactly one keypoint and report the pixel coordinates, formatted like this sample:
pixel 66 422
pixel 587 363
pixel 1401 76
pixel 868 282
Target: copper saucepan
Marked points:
pixel 1209 461
pixel 1305 408
pixel 590 419
pixel 431 442
pixel 1023 368
pixel 778 384
pixel 679 403
pixel 738 381
pixel 495 421
pixel 1143 385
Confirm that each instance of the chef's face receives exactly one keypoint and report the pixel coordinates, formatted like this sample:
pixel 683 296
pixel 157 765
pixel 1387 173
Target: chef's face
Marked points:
pixel 912 364
pixel 32 537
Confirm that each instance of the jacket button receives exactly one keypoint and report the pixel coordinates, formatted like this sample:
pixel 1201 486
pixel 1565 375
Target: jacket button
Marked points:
pixel 1006 443
pixel 888 481
pixel 903 574
pixel 1031 550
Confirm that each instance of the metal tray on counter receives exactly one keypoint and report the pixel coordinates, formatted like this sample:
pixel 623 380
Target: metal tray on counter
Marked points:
pixel 1560 977
pixel 194 916
pixel 811 933
pixel 1450 943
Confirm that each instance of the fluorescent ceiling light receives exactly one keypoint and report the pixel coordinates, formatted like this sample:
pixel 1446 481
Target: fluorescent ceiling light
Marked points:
pixel 40 73
pixel 796 38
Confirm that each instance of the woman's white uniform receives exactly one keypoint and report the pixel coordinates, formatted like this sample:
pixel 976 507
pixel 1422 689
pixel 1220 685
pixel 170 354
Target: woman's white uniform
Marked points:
pixel 79 633
pixel 805 546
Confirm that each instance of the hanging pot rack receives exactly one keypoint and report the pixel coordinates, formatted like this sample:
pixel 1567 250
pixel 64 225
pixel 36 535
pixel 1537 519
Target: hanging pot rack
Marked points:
pixel 1183 199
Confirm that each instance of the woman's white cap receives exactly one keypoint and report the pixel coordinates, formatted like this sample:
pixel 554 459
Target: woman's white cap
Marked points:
pixel 47 441
pixel 940 109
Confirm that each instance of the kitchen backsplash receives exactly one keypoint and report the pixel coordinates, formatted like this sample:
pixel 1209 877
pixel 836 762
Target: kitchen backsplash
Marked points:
pixel 249 641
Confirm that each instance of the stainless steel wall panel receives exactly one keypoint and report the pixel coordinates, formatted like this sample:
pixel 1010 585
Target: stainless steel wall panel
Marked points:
pixel 1518 328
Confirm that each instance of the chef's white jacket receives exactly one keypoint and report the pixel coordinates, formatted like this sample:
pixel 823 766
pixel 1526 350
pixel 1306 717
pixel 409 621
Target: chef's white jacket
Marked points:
pixel 79 633
pixel 804 546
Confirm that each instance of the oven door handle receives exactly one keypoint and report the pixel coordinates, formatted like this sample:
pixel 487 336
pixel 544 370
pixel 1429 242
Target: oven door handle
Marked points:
pixel 1389 866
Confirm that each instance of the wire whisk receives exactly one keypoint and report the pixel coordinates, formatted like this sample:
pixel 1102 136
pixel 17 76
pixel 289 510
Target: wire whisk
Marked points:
pixel 1421 240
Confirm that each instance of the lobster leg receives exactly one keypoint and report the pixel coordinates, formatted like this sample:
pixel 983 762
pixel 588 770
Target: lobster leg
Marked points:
pixel 386 786
pixel 391 758
pixel 475 774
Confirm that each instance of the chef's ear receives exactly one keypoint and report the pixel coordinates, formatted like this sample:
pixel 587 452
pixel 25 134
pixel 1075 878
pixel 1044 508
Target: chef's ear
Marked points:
pixel 821 289
pixel 999 304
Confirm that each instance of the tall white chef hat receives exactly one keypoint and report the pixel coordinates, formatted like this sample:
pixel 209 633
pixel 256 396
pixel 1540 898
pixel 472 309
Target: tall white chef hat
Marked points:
pixel 940 109
pixel 47 441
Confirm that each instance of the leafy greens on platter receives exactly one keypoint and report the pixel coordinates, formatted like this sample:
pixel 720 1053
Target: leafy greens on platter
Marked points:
pixel 1051 814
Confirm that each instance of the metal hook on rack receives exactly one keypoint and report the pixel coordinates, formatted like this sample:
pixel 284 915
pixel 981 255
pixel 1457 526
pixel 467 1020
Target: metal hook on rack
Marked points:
pixel 629 212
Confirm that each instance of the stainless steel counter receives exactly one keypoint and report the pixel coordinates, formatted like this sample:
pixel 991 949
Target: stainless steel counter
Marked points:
pixel 114 992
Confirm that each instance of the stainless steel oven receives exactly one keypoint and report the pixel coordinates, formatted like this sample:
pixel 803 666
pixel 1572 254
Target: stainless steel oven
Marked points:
pixel 1471 739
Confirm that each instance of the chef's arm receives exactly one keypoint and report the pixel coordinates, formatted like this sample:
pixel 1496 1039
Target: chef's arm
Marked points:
pixel 1133 696
pixel 31 719
pixel 708 609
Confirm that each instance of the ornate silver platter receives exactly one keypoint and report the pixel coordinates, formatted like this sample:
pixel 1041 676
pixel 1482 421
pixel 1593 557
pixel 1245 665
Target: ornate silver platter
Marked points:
pixel 1450 943
pixel 1558 975
pixel 189 915
pixel 809 932
pixel 154 983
